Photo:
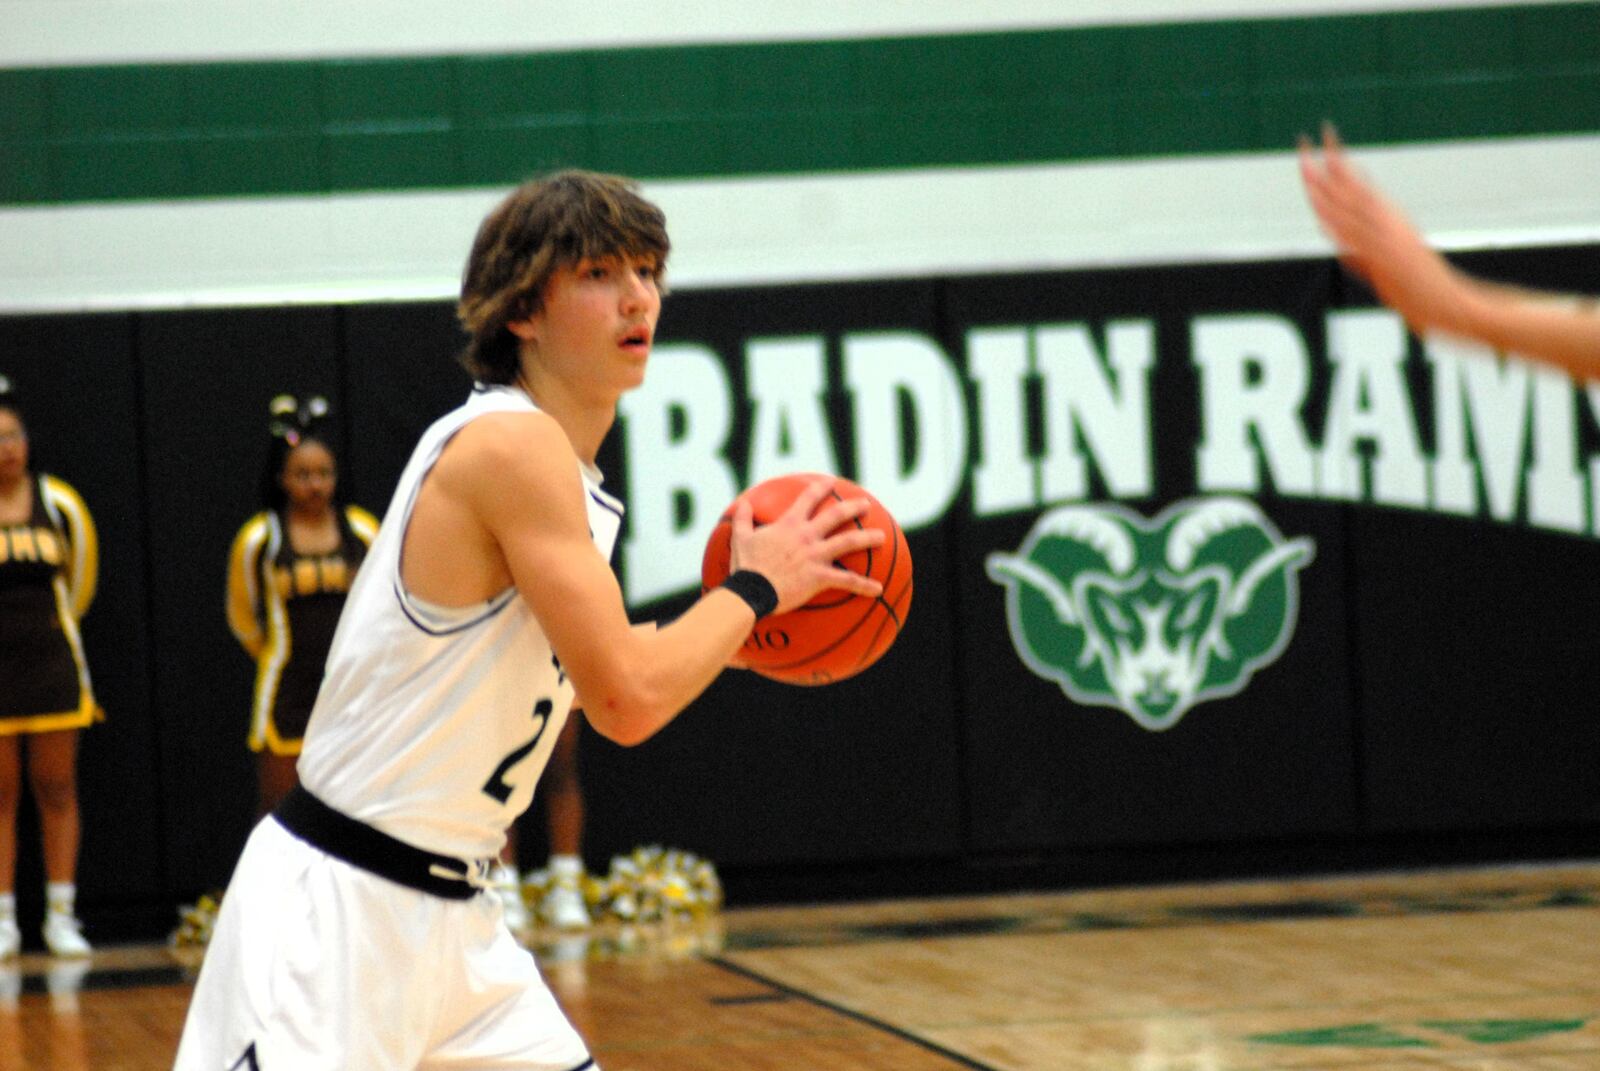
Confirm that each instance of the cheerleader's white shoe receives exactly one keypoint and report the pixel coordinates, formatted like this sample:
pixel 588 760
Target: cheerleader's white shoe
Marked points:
pixel 63 936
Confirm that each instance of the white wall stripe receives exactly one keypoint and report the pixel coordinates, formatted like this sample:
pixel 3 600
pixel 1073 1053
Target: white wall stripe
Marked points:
pixel 740 232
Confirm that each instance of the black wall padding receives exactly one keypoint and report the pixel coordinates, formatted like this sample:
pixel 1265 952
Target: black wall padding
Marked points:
pixel 1439 686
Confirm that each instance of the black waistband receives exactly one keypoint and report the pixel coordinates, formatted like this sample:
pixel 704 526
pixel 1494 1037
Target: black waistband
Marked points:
pixel 372 850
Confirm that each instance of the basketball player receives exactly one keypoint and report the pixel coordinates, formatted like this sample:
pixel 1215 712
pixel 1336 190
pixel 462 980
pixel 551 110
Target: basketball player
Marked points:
pixel 357 932
pixel 1377 242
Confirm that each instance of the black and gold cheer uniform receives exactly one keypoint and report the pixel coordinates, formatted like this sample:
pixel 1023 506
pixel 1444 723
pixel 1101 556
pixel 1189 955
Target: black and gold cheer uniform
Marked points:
pixel 283 608
pixel 48 570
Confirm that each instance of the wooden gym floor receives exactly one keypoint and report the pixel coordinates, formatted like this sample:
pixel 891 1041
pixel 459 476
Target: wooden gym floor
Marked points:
pixel 1483 969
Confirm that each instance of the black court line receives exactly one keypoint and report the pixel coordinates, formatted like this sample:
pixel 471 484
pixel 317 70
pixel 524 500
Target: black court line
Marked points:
pixel 866 1020
pixel 754 998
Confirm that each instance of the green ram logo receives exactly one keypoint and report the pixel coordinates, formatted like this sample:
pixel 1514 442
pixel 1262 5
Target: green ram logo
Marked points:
pixel 1152 617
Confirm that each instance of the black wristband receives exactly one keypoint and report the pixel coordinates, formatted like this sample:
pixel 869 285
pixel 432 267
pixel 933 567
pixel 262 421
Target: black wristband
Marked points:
pixel 756 590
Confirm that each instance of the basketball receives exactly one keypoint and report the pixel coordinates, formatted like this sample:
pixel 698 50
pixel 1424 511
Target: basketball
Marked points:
pixel 837 634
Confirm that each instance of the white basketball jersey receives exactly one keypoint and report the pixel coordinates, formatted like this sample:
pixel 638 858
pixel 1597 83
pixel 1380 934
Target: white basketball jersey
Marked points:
pixel 433 724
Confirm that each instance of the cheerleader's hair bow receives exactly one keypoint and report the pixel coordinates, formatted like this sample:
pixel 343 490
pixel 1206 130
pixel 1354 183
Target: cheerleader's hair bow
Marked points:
pixel 292 419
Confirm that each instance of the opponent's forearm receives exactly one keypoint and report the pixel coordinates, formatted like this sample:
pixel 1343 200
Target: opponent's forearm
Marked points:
pixel 1563 332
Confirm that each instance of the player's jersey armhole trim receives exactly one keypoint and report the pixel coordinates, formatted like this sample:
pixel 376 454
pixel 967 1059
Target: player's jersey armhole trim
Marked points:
pixel 444 618
pixel 429 618
pixel 606 502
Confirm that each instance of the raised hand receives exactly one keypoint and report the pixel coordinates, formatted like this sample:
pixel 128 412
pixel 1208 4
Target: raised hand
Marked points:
pixel 1378 243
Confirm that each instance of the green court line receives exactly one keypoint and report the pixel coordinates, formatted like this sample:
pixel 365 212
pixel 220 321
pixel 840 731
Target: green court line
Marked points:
pixel 1355 1035
pixel 176 131
pixel 1404 1036
pixel 1501 1031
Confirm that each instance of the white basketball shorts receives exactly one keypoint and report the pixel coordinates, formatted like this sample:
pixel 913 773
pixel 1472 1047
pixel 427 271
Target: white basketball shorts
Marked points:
pixel 315 963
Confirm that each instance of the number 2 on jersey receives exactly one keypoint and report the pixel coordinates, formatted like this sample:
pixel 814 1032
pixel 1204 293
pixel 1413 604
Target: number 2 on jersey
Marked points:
pixel 497 786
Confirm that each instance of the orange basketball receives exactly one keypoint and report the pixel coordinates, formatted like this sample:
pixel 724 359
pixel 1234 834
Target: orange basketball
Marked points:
pixel 837 634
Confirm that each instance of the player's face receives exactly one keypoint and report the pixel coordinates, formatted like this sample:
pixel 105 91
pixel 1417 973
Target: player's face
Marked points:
pixel 309 477
pixel 599 320
pixel 13 448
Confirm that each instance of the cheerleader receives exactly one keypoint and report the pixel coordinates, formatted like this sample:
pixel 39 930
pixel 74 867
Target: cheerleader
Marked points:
pixel 288 573
pixel 49 561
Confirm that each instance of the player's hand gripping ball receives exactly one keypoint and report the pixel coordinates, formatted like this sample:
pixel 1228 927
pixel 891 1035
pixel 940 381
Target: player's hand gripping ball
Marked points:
pixel 837 634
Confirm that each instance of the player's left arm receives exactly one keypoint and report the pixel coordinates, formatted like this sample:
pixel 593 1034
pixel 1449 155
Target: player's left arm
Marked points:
pixel 633 681
pixel 642 627
pixel 83 558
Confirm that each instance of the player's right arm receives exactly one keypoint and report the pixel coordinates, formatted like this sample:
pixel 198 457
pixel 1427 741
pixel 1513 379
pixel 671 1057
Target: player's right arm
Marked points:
pixel 514 480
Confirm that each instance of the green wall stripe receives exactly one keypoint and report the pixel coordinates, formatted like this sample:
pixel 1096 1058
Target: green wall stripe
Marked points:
pixel 225 129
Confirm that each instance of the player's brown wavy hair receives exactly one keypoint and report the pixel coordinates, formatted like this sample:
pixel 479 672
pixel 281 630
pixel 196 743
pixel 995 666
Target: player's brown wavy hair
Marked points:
pixel 544 225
